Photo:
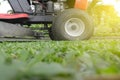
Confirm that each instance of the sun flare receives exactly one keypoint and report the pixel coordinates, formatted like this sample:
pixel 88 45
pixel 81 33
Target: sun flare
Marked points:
pixel 115 3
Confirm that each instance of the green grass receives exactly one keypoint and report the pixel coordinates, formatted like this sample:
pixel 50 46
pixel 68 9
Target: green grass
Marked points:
pixel 107 34
pixel 52 60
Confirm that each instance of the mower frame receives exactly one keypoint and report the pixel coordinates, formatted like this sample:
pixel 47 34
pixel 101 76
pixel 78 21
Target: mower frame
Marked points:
pixel 23 6
pixel 63 19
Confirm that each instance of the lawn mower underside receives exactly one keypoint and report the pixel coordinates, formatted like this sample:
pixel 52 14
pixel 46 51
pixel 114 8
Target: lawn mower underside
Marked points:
pixel 10 30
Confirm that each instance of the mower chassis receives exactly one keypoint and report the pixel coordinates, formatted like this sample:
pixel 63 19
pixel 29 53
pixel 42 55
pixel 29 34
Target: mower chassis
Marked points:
pixel 60 21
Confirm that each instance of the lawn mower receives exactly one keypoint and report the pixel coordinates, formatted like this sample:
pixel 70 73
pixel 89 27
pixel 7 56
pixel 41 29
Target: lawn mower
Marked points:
pixel 58 19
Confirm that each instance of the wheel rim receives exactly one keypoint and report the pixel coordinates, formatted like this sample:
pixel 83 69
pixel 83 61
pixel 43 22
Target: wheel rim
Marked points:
pixel 74 27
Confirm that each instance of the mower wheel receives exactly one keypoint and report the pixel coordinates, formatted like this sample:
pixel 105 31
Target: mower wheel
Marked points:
pixel 72 24
pixel 51 33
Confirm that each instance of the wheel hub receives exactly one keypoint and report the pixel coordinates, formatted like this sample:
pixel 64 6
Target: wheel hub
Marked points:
pixel 74 27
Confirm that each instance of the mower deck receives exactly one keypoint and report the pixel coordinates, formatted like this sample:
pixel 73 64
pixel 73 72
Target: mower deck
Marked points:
pixel 8 31
pixel 15 32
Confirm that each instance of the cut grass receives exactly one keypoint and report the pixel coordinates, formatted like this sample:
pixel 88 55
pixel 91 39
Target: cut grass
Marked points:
pixel 86 58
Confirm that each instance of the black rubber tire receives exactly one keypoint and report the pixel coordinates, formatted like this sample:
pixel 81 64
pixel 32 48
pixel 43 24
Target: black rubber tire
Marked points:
pixel 58 31
pixel 50 33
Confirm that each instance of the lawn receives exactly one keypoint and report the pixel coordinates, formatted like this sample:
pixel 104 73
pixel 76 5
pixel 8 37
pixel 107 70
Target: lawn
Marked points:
pixel 59 60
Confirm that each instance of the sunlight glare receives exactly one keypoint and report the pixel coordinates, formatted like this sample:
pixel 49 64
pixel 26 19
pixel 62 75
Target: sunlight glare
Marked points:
pixel 115 3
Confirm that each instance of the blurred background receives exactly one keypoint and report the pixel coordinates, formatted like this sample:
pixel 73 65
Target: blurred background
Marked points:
pixel 106 16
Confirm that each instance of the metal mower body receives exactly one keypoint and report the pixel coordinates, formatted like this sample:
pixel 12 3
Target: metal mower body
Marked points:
pixel 47 14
